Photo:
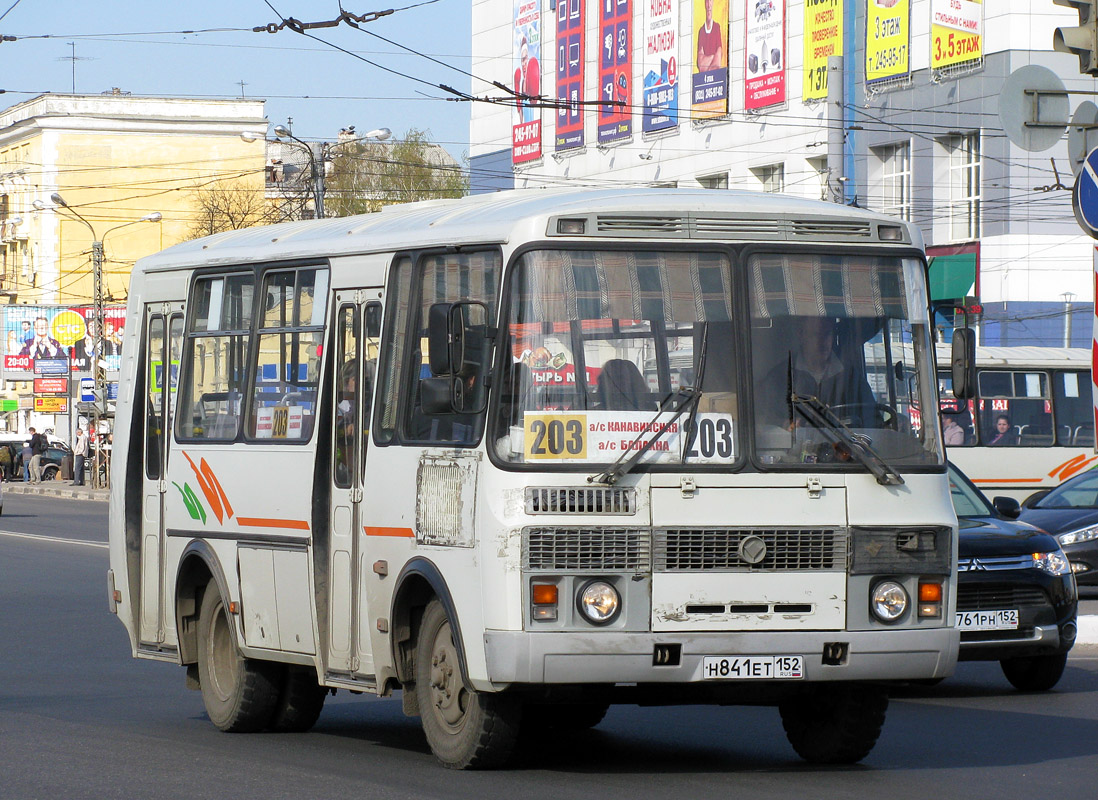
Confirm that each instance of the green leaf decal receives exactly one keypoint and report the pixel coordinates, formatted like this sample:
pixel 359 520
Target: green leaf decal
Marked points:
pixel 194 506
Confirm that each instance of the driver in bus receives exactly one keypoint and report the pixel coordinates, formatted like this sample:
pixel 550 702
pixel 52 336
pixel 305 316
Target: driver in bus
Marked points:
pixel 812 367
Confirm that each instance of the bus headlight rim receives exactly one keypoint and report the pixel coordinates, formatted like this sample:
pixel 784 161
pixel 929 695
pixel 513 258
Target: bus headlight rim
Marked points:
pixel 599 602
pixel 888 601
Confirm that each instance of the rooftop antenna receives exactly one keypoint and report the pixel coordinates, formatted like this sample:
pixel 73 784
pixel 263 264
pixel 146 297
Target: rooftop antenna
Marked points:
pixel 74 58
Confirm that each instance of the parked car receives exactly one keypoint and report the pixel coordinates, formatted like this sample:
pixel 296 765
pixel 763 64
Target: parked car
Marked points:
pixel 51 459
pixel 1016 596
pixel 1070 513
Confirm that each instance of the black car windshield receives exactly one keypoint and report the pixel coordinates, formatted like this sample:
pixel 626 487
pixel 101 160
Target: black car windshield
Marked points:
pixel 1081 492
pixel 967 499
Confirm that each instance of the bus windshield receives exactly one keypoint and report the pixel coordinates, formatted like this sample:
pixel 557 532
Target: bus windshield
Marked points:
pixel 840 360
pixel 612 352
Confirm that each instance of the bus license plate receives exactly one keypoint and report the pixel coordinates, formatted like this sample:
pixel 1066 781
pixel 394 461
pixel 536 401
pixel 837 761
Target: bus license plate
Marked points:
pixel 1001 620
pixel 752 667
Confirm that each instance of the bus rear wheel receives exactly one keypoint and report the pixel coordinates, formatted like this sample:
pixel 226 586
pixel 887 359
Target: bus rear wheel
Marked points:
pixel 300 702
pixel 835 724
pixel 466 729
pixel 240 694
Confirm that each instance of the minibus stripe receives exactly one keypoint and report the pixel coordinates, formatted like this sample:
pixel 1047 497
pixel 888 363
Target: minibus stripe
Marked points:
pixel 402 532
pixel 262 522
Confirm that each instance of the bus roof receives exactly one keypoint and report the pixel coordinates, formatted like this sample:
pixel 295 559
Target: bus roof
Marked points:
pixel 697 214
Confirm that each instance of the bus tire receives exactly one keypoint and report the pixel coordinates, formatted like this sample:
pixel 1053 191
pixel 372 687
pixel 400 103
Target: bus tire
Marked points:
pixel 836 723
pixel 300 701
pixel 240 694
pixel 466 729
pixel 1034 673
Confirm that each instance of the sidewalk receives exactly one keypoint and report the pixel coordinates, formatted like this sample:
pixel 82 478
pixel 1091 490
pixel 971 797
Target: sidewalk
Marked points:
pixel 62 489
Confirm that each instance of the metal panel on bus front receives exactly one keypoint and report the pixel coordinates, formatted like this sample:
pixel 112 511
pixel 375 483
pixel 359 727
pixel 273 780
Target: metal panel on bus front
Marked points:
pixel 749 558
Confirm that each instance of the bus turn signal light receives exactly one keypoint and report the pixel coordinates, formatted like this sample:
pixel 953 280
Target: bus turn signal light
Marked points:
pixel 544 597
pixel 930 600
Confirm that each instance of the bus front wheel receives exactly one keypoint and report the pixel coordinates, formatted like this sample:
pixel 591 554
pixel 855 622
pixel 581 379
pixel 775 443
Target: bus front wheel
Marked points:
pixel 466 729
pixel 835 723
pixel 240 694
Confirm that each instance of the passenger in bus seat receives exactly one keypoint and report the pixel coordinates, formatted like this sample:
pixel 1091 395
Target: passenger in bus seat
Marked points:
pixel 621 387
pixel 1003 434
pixel 952 433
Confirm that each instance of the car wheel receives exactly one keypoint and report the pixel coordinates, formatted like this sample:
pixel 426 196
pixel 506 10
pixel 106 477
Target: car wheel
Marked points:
pixel 836 724
pixel 50 473
pixel 1034 673
pixel 240 694
pixel 466 729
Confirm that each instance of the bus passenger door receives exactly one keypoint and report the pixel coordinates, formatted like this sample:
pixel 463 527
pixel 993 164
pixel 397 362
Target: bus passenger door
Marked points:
pixel 163 343
pixel 358 332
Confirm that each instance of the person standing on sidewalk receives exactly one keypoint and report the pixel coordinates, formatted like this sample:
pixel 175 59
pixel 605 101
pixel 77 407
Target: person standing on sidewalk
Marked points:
pixel 38 446
pixel 25 456
pixel 80 455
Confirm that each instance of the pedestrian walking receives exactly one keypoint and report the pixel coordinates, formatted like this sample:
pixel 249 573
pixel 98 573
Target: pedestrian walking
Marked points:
pixel 80 455
pixel 38 445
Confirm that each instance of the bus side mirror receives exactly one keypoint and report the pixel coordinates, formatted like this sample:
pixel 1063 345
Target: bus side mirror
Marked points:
pixel 458 353
pixel 438 338
pixel 963 361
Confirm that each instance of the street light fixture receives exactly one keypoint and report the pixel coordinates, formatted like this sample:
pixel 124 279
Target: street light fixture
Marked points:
pixel 99 374
pixel 318 154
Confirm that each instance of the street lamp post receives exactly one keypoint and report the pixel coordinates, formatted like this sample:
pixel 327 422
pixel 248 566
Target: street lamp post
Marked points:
pixel 318 155
pixel 99 374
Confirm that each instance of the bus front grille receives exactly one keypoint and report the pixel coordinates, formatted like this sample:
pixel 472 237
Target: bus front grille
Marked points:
pixel 749 549
pixel 582 549
pixel 581 500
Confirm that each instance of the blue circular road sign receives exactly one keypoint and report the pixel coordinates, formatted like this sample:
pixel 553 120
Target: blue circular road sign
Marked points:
pixel 1085 196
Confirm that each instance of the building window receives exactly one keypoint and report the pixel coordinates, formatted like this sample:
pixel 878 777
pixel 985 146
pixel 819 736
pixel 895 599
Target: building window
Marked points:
pixel 895 162
pixel 718 181
pixel 771 177
pixel 964 186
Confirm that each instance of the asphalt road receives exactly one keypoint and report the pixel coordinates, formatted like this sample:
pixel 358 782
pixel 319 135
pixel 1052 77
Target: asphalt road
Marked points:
pixel 79 718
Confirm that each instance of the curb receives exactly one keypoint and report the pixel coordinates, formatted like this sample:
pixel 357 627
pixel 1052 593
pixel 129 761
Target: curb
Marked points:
pixel 1088 629
pixel 62 490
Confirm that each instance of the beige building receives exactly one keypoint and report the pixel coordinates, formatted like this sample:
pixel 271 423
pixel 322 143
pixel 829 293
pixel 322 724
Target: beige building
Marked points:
pixel 114 159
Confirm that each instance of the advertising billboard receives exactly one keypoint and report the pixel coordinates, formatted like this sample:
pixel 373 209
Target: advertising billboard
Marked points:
pixel 709 82
pixel 887 41
pixel 661 66
pixel 37 340
pixel 956 32
pixel 615 70
pixel 526 39
pixel 570 74
pixel 823 38
pixel 764 54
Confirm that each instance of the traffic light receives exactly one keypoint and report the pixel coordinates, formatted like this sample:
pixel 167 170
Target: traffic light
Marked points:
pixel 1083 41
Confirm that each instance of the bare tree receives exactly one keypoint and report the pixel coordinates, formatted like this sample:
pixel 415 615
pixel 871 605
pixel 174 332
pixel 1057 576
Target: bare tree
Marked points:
pixel 365 176
pixel 231 204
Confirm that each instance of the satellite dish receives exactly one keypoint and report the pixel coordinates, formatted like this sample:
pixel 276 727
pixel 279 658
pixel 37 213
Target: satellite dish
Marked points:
pixel 1082 134
pixel 1034 121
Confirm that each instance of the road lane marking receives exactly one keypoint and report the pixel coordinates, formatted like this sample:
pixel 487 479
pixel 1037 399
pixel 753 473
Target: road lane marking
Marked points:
pixel 83 542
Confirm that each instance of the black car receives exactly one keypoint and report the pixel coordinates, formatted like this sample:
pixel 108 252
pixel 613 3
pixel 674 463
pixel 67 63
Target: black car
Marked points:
pixel 51 461
pixel 1016 596
pixel 1070 513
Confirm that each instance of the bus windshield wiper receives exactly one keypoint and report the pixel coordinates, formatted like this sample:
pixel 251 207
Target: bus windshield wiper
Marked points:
pixel 820 414
pixel 691 397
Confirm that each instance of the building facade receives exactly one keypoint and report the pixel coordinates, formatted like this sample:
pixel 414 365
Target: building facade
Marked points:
pixel 733 94
pixel 129 170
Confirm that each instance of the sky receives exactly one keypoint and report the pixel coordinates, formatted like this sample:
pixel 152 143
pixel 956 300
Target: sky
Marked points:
pixel 140 47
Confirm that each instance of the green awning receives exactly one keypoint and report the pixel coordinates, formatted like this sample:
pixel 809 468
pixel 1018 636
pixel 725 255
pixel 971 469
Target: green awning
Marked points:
pixel 952 277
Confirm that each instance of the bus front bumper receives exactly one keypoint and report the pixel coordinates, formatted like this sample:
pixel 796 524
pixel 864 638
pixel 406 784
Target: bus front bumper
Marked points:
pixel 609 657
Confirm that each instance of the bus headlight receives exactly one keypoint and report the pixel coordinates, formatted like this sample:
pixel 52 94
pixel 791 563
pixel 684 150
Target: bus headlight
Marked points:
pixel 888 601
pixel 599 602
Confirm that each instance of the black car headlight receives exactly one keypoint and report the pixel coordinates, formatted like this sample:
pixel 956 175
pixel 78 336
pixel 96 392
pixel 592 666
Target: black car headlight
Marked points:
pixel 1081 535
pixel 1054 563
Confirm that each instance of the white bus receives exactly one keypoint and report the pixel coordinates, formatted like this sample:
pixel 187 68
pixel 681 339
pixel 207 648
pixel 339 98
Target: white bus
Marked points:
pixel 441 449
pixel 1031 424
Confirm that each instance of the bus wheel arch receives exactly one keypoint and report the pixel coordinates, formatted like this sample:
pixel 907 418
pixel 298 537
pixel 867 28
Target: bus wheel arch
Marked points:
pixel 198 565
pixel 419 582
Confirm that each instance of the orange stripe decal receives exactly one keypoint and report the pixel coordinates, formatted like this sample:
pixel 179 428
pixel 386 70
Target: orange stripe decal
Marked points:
pixel 264 522
pixel 1072 467
pixel 405 533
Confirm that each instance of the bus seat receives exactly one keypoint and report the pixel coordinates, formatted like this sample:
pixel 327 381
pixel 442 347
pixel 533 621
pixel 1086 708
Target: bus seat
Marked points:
pixel 621 386
pixel 1084 436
